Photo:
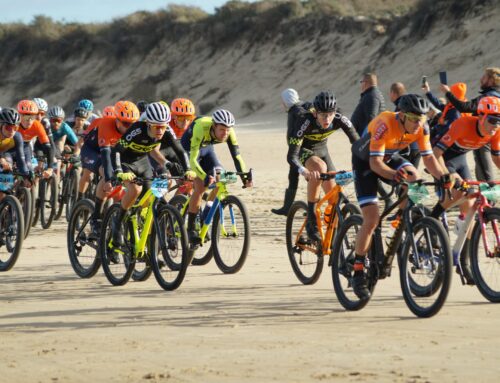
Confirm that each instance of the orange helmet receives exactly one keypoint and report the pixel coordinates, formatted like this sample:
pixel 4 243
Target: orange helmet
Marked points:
pixel 109 111
pixel 27 107
pixel 182 107
pixel 126 111
pixel 489 105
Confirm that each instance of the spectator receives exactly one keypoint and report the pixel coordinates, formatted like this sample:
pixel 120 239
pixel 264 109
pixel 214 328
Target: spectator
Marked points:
pixel 370 105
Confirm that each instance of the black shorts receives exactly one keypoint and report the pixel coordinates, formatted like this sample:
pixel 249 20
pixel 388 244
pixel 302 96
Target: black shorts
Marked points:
pixel 91 159
pixel 459 165
pixel 366 180
pixel 321 152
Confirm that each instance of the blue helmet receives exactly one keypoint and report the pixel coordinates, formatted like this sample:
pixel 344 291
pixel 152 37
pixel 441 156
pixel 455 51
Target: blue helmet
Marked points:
pixel 86 104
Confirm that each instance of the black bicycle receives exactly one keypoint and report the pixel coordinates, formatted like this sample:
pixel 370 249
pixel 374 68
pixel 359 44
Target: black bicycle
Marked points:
pixel 425 260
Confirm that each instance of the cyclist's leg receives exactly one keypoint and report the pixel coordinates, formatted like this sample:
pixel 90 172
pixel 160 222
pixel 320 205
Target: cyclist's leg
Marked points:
pixel 484 166
pixel 91 161
pixel 313 163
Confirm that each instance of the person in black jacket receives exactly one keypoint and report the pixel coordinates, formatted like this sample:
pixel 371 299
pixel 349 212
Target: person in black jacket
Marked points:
pixel 370 105
pixel 490 86
pixel 295 108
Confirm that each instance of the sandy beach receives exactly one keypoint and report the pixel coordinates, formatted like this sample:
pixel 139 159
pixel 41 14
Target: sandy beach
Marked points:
pixel 259 325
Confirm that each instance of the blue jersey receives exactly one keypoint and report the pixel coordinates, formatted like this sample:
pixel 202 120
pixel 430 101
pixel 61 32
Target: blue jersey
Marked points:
pixel 65 130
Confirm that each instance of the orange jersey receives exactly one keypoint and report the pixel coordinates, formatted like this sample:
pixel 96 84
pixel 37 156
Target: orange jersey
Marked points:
pixel 36 130
pixel 102 132
pixel 177 131
pixel 386 137
pixel 464 136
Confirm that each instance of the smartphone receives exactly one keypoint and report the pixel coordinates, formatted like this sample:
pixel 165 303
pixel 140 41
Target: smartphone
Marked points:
pixel 443 78
pixel 424 80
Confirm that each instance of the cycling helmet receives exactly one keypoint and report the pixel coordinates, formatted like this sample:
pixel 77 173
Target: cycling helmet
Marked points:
pixel 182 107
pixel 224 117
pixel 56 112
pixel 142 105
pixel 9 116
pixel 81 112
pixel 157 113
pixel 109 111
pixel 27 107
pixel 413 103
pixel 86 104
pixel 42 104
pixel 126 111
pixel 325 102
pixel 489 105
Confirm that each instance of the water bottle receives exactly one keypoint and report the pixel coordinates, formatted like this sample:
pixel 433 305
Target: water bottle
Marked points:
pixel 392 230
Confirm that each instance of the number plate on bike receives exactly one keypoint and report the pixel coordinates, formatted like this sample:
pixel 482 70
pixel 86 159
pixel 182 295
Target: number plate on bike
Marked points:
pixel 491 193
pixel 417 193
pixel 6 182
pixel 159 187
pixel 344 178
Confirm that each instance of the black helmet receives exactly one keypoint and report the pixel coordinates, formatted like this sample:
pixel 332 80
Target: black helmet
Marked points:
pixel 81 112
pixel 325 102
pixel 9 116
pixel 413 103
pixel 142 106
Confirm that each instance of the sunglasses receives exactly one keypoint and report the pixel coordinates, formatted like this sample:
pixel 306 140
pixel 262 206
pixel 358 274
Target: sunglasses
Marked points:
pixel 28 116
pixel 416 117
pixel 10 127
pixel 56 120
pixel 183 118
pixel 493 120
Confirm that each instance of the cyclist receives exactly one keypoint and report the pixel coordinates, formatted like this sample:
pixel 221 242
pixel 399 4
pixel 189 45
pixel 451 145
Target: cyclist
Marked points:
pixel 182 114
pixel 308 151
pixel 490 87
pixel 130 158
pixel 198 141
pixel 109 111
pixel 31 128
pixel 375 156
pixel 470 133
pixel 102 134
pixel 89 107
pixel 294 108
pixel 61 131
pixel 79 123
pixel 11 139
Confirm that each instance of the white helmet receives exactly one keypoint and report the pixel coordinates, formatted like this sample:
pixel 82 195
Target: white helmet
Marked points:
pixel 158 113
pixel 42 104
pixel 224 117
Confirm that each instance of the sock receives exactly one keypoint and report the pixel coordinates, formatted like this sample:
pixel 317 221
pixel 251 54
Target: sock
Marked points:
pixel 437 211
pixel 97 209
pixel 359 264
pixel 311 210
pixel 191 221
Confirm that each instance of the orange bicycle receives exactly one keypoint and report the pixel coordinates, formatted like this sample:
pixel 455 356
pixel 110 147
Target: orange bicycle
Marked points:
pixel 307 256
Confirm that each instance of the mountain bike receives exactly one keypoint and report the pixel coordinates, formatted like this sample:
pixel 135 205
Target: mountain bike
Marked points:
pixel 425 260
pixel 228 223
pixel 82 247
pixel 306 256
pixel 484 244
pixel 154 236
pixel 11 224
pixel 68 184
pixel 48 191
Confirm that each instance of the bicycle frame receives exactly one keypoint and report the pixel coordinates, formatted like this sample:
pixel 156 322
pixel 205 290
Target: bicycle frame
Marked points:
pixel 149 202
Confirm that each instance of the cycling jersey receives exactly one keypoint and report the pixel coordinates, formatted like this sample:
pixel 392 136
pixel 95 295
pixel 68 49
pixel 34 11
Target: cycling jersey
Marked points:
pixel 65 130
pixel 14 144
pixel 464 135
pixel 136 143
pixel 37 130
pixel 199 135
pixel 385 138
pixel 309 135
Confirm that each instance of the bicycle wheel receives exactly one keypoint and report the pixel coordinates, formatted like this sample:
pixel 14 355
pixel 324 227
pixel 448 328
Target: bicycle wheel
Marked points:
pixel 343 265
pixel 485 255
pixel 48 201
pixel 11 232
pixel 35 203
pixel 72 191
pixel 199 258
pixel 426 269
pixel 23 195
pixel 170 249
pixel 61 197
pixel 117 263
pixel 305 256
pixel 230 235
pixel 82 249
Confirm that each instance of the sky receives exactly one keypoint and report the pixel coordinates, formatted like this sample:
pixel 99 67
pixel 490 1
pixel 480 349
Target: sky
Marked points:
pixel 89 11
